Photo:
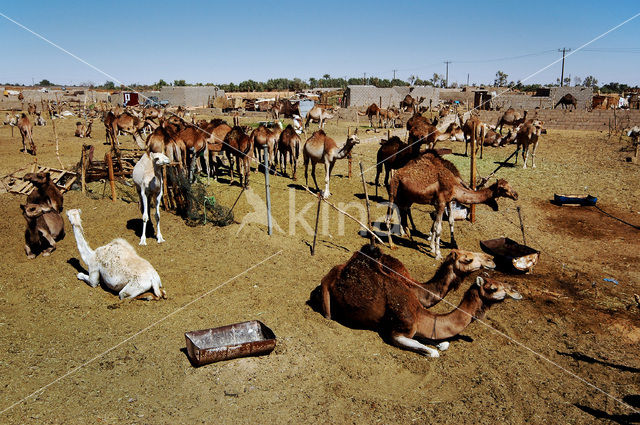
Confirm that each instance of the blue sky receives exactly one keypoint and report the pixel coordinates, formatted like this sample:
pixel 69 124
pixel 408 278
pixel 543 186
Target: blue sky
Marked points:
pixel 199 41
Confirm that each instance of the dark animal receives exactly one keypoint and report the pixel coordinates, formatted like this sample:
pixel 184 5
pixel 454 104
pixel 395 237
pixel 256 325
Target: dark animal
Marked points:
pixel 44 228
pixel 46 192
pixel 566 100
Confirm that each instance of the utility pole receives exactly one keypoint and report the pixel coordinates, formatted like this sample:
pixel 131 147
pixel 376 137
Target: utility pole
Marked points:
pixel 364 80
pixel 467 79
pixel 394 74
pixel 563 50
pixel 446 81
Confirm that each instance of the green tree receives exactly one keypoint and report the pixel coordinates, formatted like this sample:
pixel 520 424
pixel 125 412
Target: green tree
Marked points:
pixel 179 83
pixel 109 85
pixel 590 81
pixel 501 79
pixel 45 83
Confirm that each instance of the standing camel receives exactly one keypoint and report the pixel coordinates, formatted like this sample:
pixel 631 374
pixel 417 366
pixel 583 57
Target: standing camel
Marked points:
pixel 320 115
pixel 358 293
pixel 127 123
pixel 289 148
pixel 392 154
pixel 510 117
pixel 26 131
pixel 527 136
pixel 567 100
pixel 238 144
pixel 322 148
pixel 430 179
pixel 147 175
pixel 263 136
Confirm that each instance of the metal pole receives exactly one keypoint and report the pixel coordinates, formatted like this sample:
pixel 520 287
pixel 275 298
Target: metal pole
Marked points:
pixel 366 197
pixel 266 185
pixel 563 50
pixel 446 83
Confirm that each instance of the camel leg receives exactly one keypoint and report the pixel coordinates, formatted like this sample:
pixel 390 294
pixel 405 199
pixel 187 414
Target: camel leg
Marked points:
pixel 294 163
pixel 326 301
pixel 92 279
pixel 229 158
pixel 533 155
pixel 306 169
pixel 51 240
pixel 436 232
pixel 407 343
pixel 158 200
pixel 313 174
pixel 452 221
pixel 145 217
pixel 410 216
pixel 328 167
pixel 27 250
pixel 388 223
pixel 525 155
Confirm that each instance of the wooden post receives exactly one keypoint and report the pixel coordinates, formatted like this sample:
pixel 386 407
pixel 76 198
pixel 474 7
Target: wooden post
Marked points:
pixel 111 179
pixel 315 233
pixel 266 180
pixel 472 183
pixel 366 197
pixel 83 181
pixel 55 134
pixel 165 190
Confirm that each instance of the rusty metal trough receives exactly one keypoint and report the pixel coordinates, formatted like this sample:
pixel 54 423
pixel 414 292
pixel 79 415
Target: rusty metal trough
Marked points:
pixel 244 339
pixel 510 255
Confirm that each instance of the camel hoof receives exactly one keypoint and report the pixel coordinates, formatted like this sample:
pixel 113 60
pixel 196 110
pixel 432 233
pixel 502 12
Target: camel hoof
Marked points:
pixel 31 256
pixel 443 346
pixel 434 354
pixel 46 254
pixel 160 239
pixel 143 242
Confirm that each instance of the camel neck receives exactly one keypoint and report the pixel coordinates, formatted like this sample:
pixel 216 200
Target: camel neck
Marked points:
pixel 83 247
pixel 344 150
pixel 432 291
pixel 468 196
pixel 444 326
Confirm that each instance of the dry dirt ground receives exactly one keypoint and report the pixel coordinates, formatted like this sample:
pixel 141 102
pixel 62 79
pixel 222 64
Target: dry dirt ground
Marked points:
pixel 566 353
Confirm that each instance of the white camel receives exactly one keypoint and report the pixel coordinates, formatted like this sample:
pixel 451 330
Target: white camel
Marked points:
pixel 147 175
pixel 117 262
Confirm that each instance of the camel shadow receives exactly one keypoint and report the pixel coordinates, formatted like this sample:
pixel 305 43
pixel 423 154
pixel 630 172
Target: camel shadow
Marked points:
pixel 632 400
pixel 135 224
pixel 505 164
pixel 298 186
pixel 584 358
pixel 372 197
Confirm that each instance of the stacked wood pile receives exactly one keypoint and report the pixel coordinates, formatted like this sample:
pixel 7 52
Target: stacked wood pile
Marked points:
pixel 15 182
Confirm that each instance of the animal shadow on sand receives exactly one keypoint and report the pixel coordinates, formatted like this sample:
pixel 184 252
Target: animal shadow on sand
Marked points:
pixel 315 302
pixel 584 358
pixel 135 224
pixel 620 418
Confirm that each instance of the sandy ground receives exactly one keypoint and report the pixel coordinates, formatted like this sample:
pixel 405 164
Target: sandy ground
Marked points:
pixel 548 358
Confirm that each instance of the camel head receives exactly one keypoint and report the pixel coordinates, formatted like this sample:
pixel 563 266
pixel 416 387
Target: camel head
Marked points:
pixel 31 211
pixel 469 262
pixel 159 158
pixel 38 179
pixel 492 290
pixel 352 140
pixel 501 189
pixel 74 217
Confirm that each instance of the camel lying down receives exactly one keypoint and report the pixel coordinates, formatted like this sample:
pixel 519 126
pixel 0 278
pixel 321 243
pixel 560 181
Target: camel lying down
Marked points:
pixel 374 291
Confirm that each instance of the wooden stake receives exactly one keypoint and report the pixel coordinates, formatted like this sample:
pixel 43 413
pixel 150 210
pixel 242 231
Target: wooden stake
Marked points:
pixel 111 179
pixel 83 181
pixel 315 233
pixel 366 197
pixel 472 183
pixel 55 134
pixel 524 240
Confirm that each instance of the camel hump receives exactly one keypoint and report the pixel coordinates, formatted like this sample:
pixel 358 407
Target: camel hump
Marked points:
pixel 371 251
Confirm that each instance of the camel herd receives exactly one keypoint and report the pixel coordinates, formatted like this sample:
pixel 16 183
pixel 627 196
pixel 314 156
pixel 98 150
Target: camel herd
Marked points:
pixel 371 289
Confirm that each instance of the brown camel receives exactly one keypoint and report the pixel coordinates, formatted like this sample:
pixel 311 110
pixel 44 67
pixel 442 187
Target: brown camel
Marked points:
pixel 511 117
pixel 372 111
pixel 392 154
pixel 567 100
pixel 289 148
pixel 421 132
pixel 527 136
pixel 45 192
pixel 320 115
pixel 238 144
pixel 31 109
pixel 196 144
pixel 164 140
pixel 363 293
pixel 474 133
pixel 26 131
pixel 83 130
pixel 429 179
pixel 389 116
pixel 410 103
pixel 322 148
pixel 44 228
pixel 127 123
pixel 263 136
pixel 220 130
pixel 285 108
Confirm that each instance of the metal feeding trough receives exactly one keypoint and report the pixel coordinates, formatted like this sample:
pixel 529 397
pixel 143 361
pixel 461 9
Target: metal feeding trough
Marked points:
pixel 229 342
pixel 511 255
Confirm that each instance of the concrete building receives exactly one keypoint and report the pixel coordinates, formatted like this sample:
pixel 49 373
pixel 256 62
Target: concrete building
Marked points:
pixel 363 96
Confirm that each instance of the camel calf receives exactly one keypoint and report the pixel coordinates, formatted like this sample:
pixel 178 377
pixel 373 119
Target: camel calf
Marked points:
pixel 527 136
pixel 44 227
pixel 26 131
pixel 147 175
pixel 46 192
